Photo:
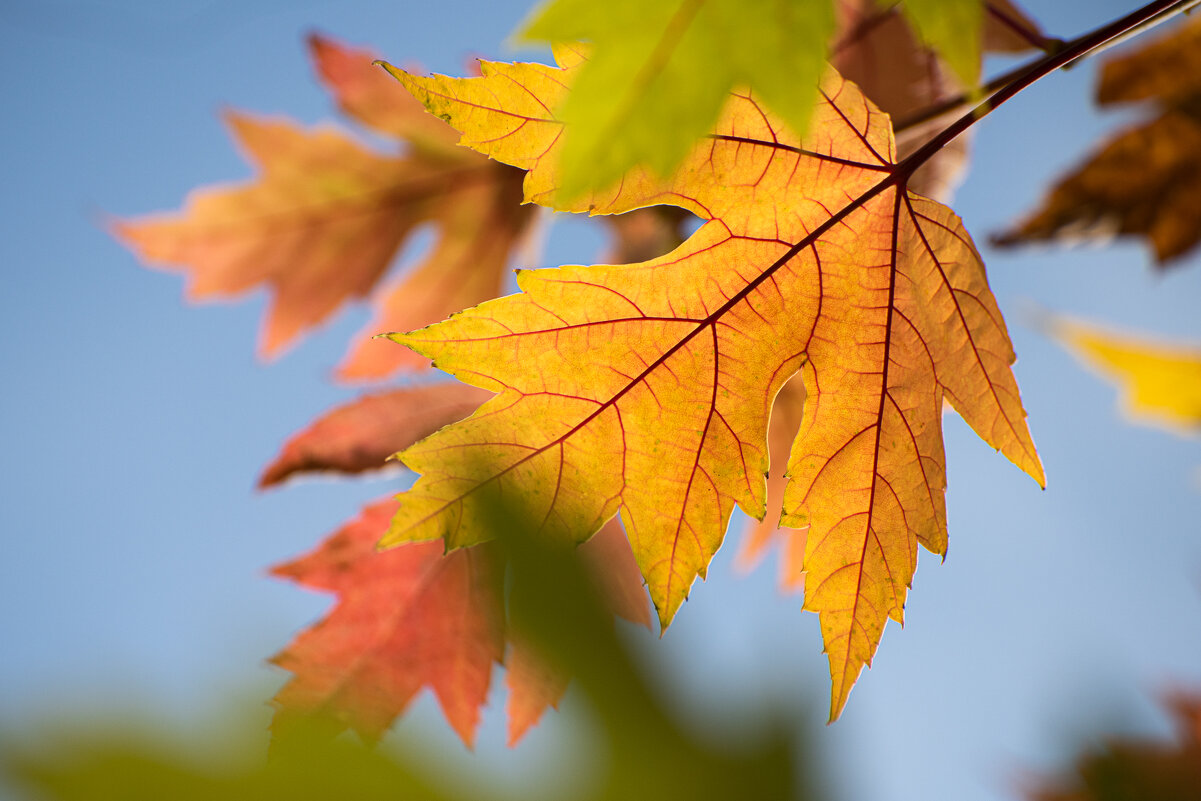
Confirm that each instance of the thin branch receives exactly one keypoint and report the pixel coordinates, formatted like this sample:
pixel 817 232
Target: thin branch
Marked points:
pixel 1082 46
pixel 1015 81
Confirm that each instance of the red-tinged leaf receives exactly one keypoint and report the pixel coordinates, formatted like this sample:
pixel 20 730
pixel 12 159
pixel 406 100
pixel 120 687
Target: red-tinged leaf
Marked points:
pixel 324 218
pixel 366 93
pixel 609 559
pixel 482 222
pixel 361 435
pixel 405 619
pixel 414 617
pixel 318 226
pixel 533 687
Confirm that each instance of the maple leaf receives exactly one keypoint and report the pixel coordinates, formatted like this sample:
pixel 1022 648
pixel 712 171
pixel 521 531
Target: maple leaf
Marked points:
pixel 646 388
pixel 1146 180
pixel 875 48
pixel 325 218
pixel 1160 381
pixel 414 617
pixel 318 192
pixel 404 620
pixel 361 435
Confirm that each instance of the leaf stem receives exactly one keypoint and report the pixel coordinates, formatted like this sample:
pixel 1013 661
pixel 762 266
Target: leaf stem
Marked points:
pixel 1087 44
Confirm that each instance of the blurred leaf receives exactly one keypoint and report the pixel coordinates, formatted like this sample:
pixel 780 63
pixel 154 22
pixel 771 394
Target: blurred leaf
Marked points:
pixel 117 764
pixel 364 92
pixel 361 435
pixel 644 234
pixel 1160 381
pixel 561 611
pixel 325 217
pixel 415 617
pixel 952 29
pixel 404 620
pixel 1146 180
pixel 1138 770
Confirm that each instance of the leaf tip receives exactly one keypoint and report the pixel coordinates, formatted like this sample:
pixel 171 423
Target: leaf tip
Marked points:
pixel 839 693
pixel 404 338
pixel 272 476
pixel 396 72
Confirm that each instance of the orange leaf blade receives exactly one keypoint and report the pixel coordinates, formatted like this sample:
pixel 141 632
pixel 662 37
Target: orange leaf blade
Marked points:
pixel 364 92
pixel 317 227
pixel 647 387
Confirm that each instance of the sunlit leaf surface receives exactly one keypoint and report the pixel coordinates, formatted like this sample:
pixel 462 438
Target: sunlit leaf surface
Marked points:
pixel 646 388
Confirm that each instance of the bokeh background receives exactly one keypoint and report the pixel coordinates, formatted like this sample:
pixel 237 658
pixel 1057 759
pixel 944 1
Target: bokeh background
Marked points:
pixel 133 547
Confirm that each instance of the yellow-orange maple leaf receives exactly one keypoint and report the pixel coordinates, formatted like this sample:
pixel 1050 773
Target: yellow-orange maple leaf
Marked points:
pixel 646 388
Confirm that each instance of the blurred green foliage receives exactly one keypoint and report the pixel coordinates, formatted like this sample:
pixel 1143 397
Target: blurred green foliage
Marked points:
pixel 644 753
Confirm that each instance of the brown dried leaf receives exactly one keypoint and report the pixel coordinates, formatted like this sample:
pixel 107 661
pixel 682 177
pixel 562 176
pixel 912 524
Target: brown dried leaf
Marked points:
pixel 1146 180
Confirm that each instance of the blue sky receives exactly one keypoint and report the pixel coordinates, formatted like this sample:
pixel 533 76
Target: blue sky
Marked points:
pixel 133 547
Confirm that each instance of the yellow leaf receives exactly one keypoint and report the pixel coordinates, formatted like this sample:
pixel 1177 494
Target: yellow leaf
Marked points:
pixel 646 388
pixel 1160 381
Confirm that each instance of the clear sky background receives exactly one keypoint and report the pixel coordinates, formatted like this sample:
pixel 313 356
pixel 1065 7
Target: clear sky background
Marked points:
pixel 133 548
